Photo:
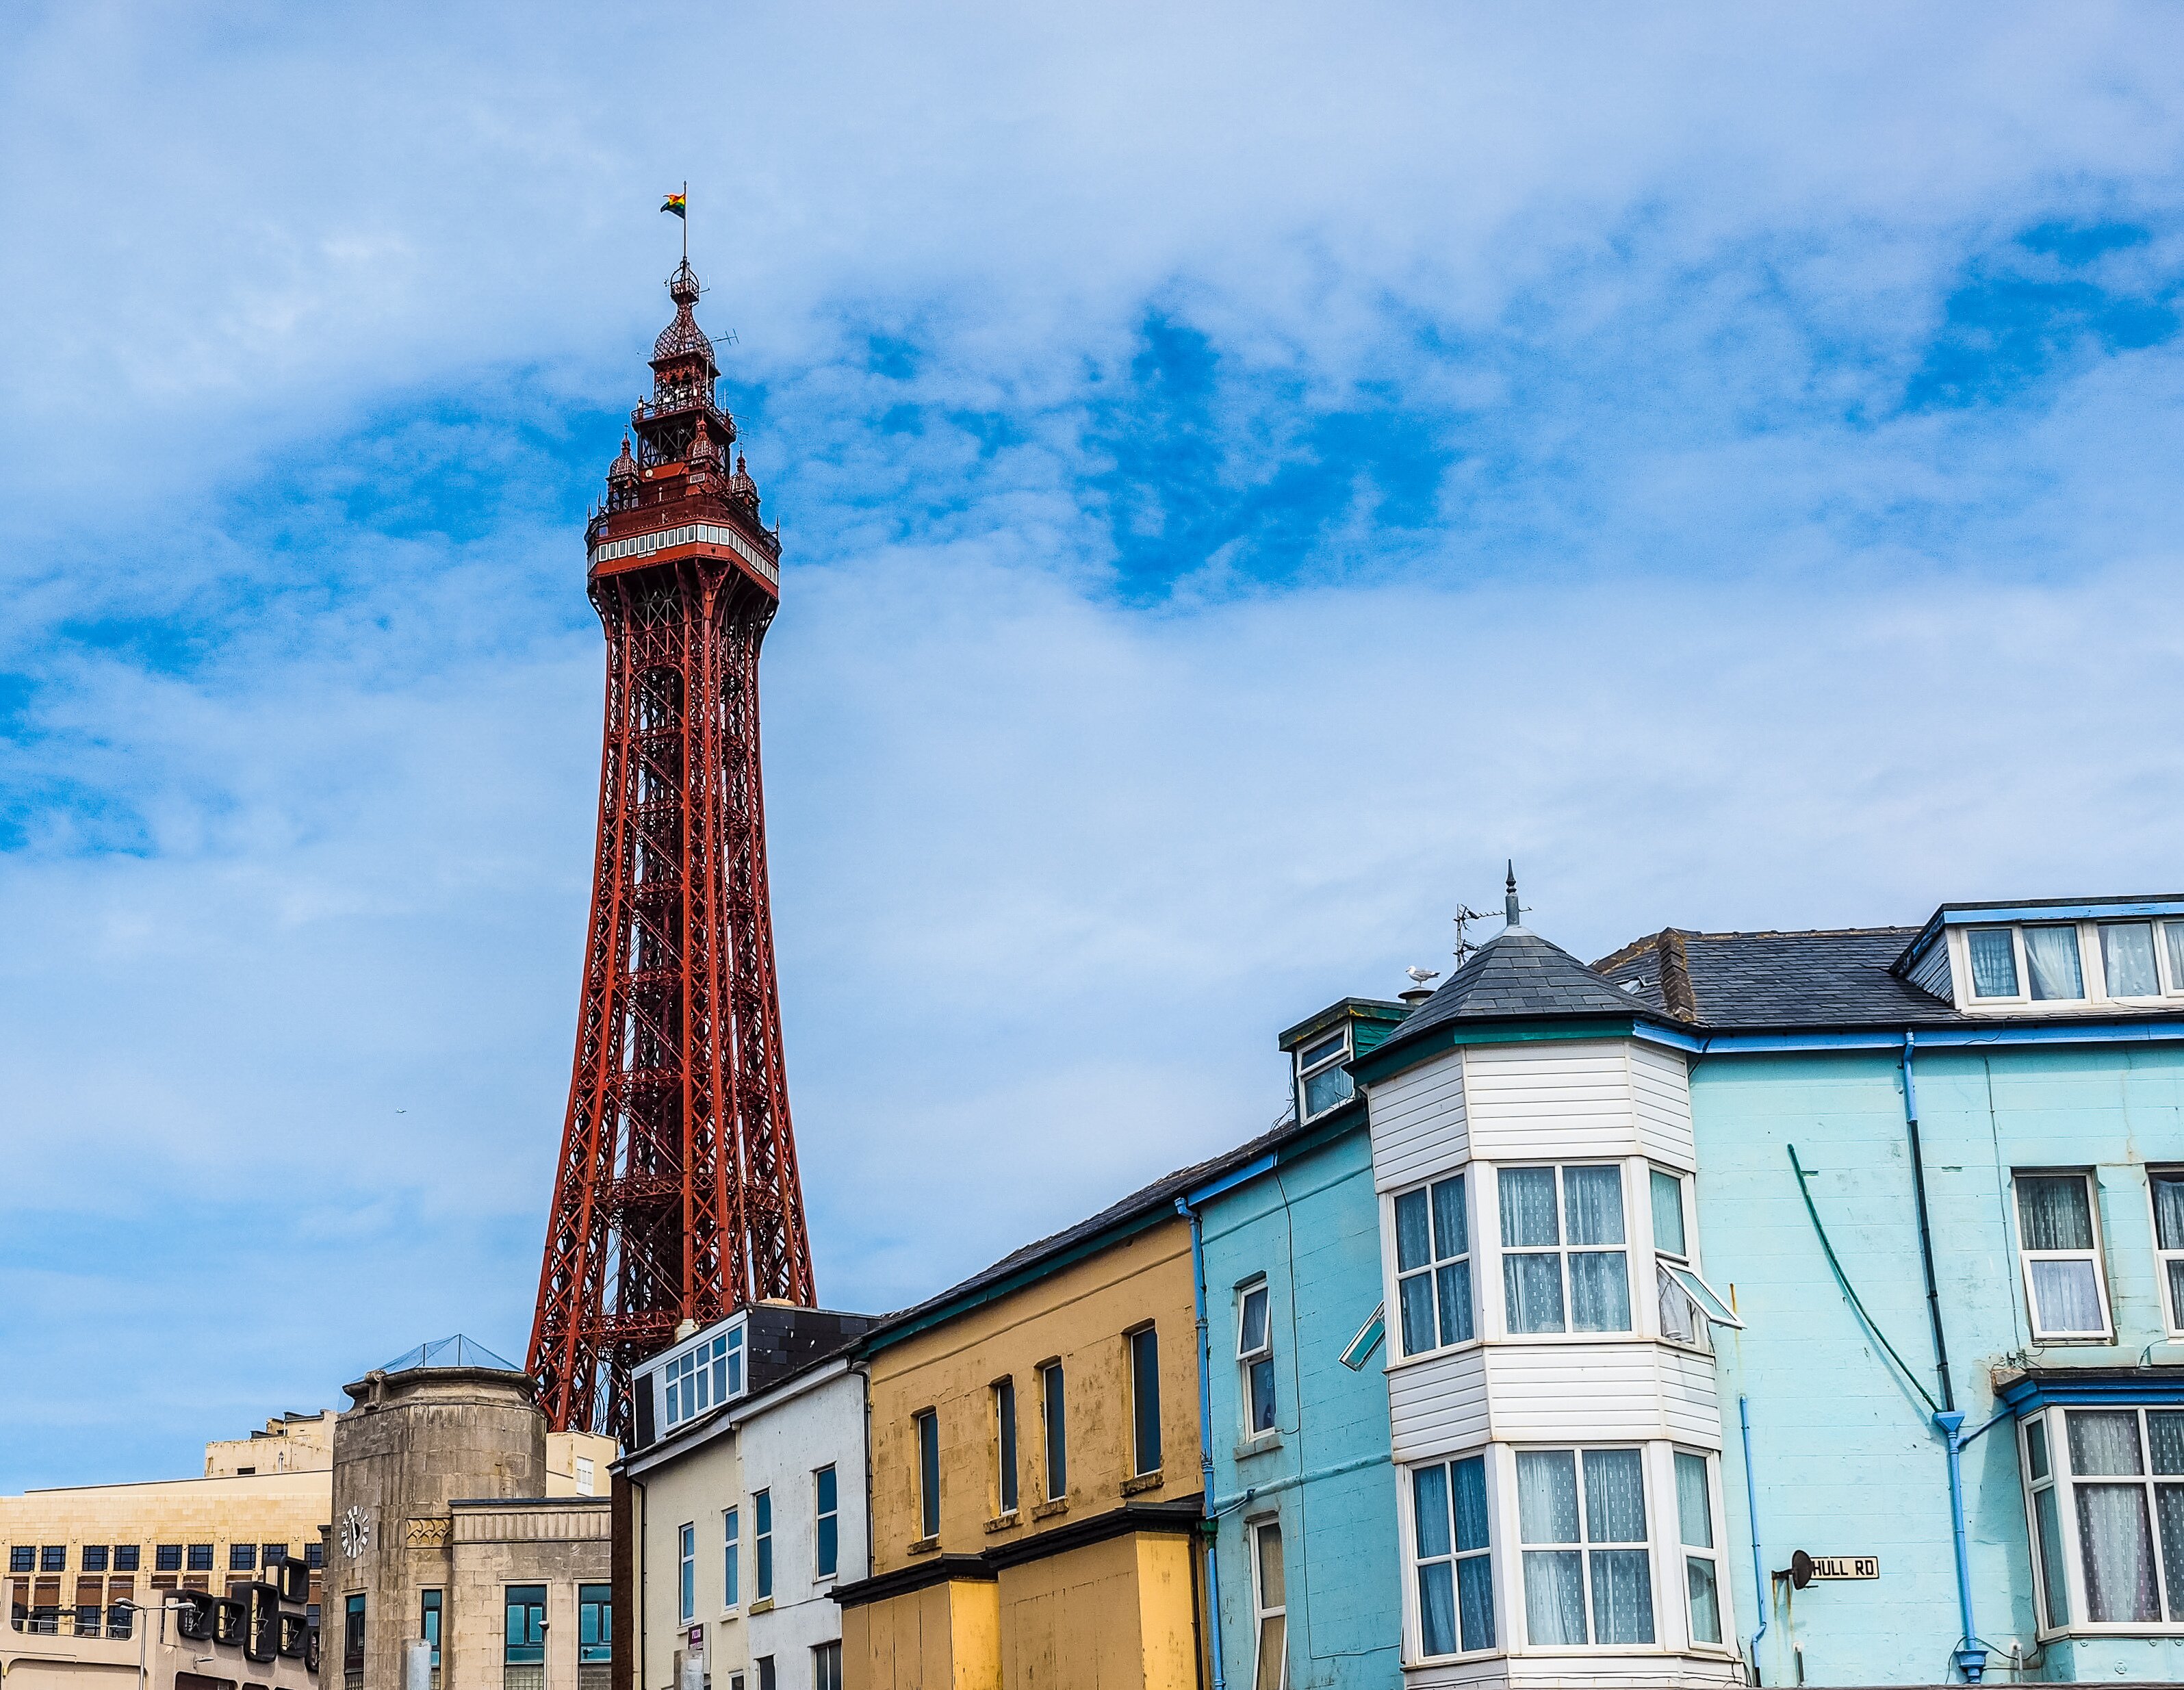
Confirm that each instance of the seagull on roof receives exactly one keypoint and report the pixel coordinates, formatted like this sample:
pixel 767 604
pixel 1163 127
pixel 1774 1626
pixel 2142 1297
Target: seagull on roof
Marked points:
pixel 1420 976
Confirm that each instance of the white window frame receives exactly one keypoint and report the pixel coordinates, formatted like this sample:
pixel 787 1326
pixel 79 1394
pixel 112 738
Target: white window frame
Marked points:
pixel 587 1476
pixel 1413 1603
pixel 826 1575
pixel 1431 1269
pixel 732 1551
pixel 762 1545
pixel 1711 1553
pixel 2063 1480
pixel 1676 1272
pixel 1563 1248
pixel 2097 1255
pixel 702 1378
pixel 1326 1057
pixel 2163 985
pixel 1248 1359
pixel 2172 1296
pixel 826 1664
pixel 1261 1614
pixel 1584 1548
pixel 686 1572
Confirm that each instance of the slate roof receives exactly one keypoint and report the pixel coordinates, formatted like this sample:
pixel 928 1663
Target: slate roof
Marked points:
pixel 1160 1195
pixel 1519 976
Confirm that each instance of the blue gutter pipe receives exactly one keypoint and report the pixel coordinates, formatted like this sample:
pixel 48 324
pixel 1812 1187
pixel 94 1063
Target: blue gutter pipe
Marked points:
pixel 1206 1440
pixel 1751 1509
pixel 1970 1655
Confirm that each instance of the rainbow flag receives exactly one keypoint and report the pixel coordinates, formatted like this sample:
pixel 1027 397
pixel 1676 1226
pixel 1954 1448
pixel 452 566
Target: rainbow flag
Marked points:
pixel 677 204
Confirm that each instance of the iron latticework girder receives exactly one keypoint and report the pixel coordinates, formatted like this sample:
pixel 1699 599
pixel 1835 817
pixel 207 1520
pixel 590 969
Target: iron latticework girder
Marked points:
pixel 676 1198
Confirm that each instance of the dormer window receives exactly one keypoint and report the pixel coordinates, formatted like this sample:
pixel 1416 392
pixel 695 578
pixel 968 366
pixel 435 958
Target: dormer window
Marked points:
pixel 704 1376
pixel 2127 959
pixel 1321 1080
pixel 2077 963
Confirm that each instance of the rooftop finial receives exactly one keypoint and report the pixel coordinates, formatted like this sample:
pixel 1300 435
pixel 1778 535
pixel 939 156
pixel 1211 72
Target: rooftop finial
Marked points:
pixel 1509 909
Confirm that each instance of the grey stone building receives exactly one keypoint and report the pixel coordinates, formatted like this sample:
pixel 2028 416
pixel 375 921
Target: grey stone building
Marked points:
pixel 458 1548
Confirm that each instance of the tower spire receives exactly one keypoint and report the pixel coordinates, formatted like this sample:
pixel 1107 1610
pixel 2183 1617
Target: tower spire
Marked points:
pixel 677 1198
pixel 1510 913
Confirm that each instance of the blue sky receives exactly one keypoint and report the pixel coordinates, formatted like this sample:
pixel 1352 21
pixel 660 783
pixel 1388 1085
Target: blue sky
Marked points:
pixel 1243 475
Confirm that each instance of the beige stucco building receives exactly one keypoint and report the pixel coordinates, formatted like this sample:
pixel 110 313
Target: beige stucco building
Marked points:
pixel 449 1529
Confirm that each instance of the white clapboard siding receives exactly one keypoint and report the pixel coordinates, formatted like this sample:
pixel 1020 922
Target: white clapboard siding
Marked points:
pixel 1661 1093
pixel 1549 1102
pixel 1438 1405
pixel 1689 1403
pixel 1419 1125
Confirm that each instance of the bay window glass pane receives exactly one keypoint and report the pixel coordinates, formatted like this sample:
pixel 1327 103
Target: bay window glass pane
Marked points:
pixel 1429 1511
pixel 1694 1509
pixel 2054 1213
pixel 1614 1496
pixel 1599 1291
pixel 2105 1442
pixel 2036 1447
pixel 1547 1495
pixel 1622 1597
pixel 2127 959
pixel 1437 1608
pixel 2169 1203
pixel 1700 1584
pixel 2054 1584
pixel 2164 1437
pixel 1416 1297
pixel 1470 1477
pixel 1528 1209
pixel 1326 1088
pixel 1532 1287
pixel 2174 931
pixel 2169 1510
pixel 1474 1595
pixel 1454 1284
pixel 2117 1544
pixel 2050 957
pixel 1668 1213
pixel 1554 1597
pixel 2068 1296
pixel 1452 1232
pixel 1994 962
pixel 2176 1293
pixel 1594 1198
pixel 1414 1241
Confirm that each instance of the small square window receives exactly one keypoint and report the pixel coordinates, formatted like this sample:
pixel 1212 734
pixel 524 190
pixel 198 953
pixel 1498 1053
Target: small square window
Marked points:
pixel 1994 962
pixel 315 1555
pixel 242 1558
pixel 125 1557
pixel 94 1557
pixel 200 1558
pixel 23 1558
pixel 52 1558
pixel 1322 1081
pixel 167 1558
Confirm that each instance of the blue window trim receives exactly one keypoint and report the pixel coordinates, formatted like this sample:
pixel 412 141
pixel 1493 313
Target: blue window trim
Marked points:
pixel 2028 1396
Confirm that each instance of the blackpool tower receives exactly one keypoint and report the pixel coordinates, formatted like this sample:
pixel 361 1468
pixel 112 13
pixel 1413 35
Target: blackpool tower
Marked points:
pixel 676 1197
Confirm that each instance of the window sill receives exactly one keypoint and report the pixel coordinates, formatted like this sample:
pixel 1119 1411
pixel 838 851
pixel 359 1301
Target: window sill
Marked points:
pixel 1262 1443
pixel 1143 1482
pixel 1005 1522
pixel 1049 1509
pixel 763 1605
pixel 921 1546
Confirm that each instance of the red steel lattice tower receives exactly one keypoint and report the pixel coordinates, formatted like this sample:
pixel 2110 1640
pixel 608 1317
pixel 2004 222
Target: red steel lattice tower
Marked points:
pixel 678 1197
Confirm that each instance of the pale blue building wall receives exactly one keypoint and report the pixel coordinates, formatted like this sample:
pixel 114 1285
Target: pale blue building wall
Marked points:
pixel 1845 1460
pixel 1311 1225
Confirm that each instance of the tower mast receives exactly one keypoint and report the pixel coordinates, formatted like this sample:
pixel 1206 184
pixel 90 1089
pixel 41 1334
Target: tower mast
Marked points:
pixel 676 1197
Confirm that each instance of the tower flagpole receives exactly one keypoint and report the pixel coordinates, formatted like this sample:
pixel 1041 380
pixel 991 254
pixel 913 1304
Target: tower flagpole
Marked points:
pixel 684 220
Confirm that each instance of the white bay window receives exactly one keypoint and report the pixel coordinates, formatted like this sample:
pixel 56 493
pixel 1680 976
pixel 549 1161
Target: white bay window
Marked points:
pixel 1588 1572
pixel 1433 1267
pixel 1563 1266
pixel 2104 1488
pixel 1454 1565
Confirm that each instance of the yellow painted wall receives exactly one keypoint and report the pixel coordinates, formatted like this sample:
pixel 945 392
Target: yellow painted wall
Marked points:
pixel 1079 1313
pixel 946 1636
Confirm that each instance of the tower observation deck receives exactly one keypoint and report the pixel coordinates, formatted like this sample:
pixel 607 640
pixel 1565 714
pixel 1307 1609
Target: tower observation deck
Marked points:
pixel 676 1196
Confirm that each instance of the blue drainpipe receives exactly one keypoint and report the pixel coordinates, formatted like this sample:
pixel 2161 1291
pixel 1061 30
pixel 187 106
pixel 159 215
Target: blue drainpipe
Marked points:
pixel 1205 1443
pixel 1751 1509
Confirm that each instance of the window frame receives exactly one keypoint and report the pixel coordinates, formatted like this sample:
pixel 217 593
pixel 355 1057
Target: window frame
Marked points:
pixel 510 1595
pixel 1054 1429
pixel 601 1604
pixel 1415 1564
pixel 826 1664
pixel 1008 1479
pixel 431 1612
pixel 1261 1614
pixel 1342 1047
pixel 1585 1547
pixel 762 1545
pixel 1250 1360
pixel 1435 1264
pixel 925 1435
pixel 2167 1261
pixel 1563 1249
pixel 732 1548
pixel 1145 1384
pixel 826 1524
pixel 2098 1254
pixel 2062 1480
pixel 1710 1552
pixel 686 1572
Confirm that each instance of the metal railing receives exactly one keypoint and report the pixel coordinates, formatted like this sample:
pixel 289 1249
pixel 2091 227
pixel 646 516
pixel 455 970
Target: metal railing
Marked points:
pixel 74 1622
